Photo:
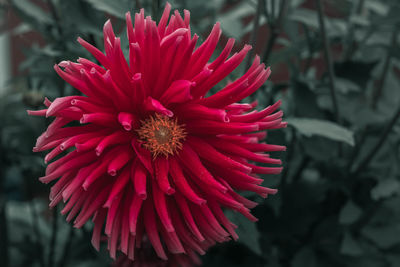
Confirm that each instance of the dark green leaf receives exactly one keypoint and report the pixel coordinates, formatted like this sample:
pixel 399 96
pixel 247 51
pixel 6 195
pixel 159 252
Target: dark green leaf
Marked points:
pixel 385 188
pixel 350 246
pixel 350 213
pixel 32 10
pixel 327 129
pixel 377 6
pixel 115 8
pixel 231 21
pixel 305 102
pixel 335 27
pixel 384 236
pixel 394 260
pixel 247 231
pixel 346 86
pixel 305 257
pixel 305 16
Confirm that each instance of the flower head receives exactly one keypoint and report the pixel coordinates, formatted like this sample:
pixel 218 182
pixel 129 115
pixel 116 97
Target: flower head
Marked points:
pixel 145 153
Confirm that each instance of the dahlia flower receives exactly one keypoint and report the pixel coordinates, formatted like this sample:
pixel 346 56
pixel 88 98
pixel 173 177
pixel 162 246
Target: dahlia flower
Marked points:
pixel 144 151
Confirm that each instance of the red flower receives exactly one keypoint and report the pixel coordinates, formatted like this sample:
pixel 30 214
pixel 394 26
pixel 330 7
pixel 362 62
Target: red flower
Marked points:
pixel 154 157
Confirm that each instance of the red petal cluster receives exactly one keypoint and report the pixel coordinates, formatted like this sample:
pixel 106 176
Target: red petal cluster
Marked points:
pixel 104 170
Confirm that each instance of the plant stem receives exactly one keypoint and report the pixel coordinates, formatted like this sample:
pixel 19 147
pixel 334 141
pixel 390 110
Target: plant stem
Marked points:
pixel 155 8
pixel 328 60
pixel 56 18
pixel 303 164
pixel 364 163
pixel 138 5
pixel 360 6
pixel 35 223
pixel 357 148
pixel 54 229
pixel 5 6
pixel 272 9
pixel 253 38
pixel 307 65
pixel 352 45
pixel 275 26
pixel 59 41
pixel 67 247
pixel 381 82
pixel 4 254
pixel 289 157
pixel 35 220
pixel 366 217
pixel 265 12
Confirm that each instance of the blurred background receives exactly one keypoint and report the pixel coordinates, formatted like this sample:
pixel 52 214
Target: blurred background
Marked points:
pixel 335 65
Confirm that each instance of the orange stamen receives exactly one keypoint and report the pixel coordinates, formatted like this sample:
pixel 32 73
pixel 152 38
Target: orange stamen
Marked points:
pixel 161 135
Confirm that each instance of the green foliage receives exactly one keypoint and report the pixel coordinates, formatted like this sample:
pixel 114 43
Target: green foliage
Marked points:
pixel 32 11
pixel 349 213
pixel 114 8
pixel 331 209
pixel 247 231
pixel 327 129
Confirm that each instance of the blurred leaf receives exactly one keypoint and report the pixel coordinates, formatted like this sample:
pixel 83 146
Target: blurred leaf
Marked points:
pixel 305 16
pixel 350 246
pixel 231 21
pixel 360 20
pixel 394 260
pixel 22 29
pixel 115 8
pixel 358 72
pixel 392 17
pixel 385 188
pixel 305 102
pixel 304 208
pixel 327 129
pixel 356 108
pixel 13 176
pixel 349 213
pixel 346 86
pixel 21 222
pixel 79 21
pixel 334 27
pixel 31 10
pixel 377 6
pixel 49 51
pixel 305 257
pixel 384 236
pixel 390 98
pixel 320 149
pixel 247 231
pixel 249 27
pixel 296 3
pixel 367 260
pixel 379 38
